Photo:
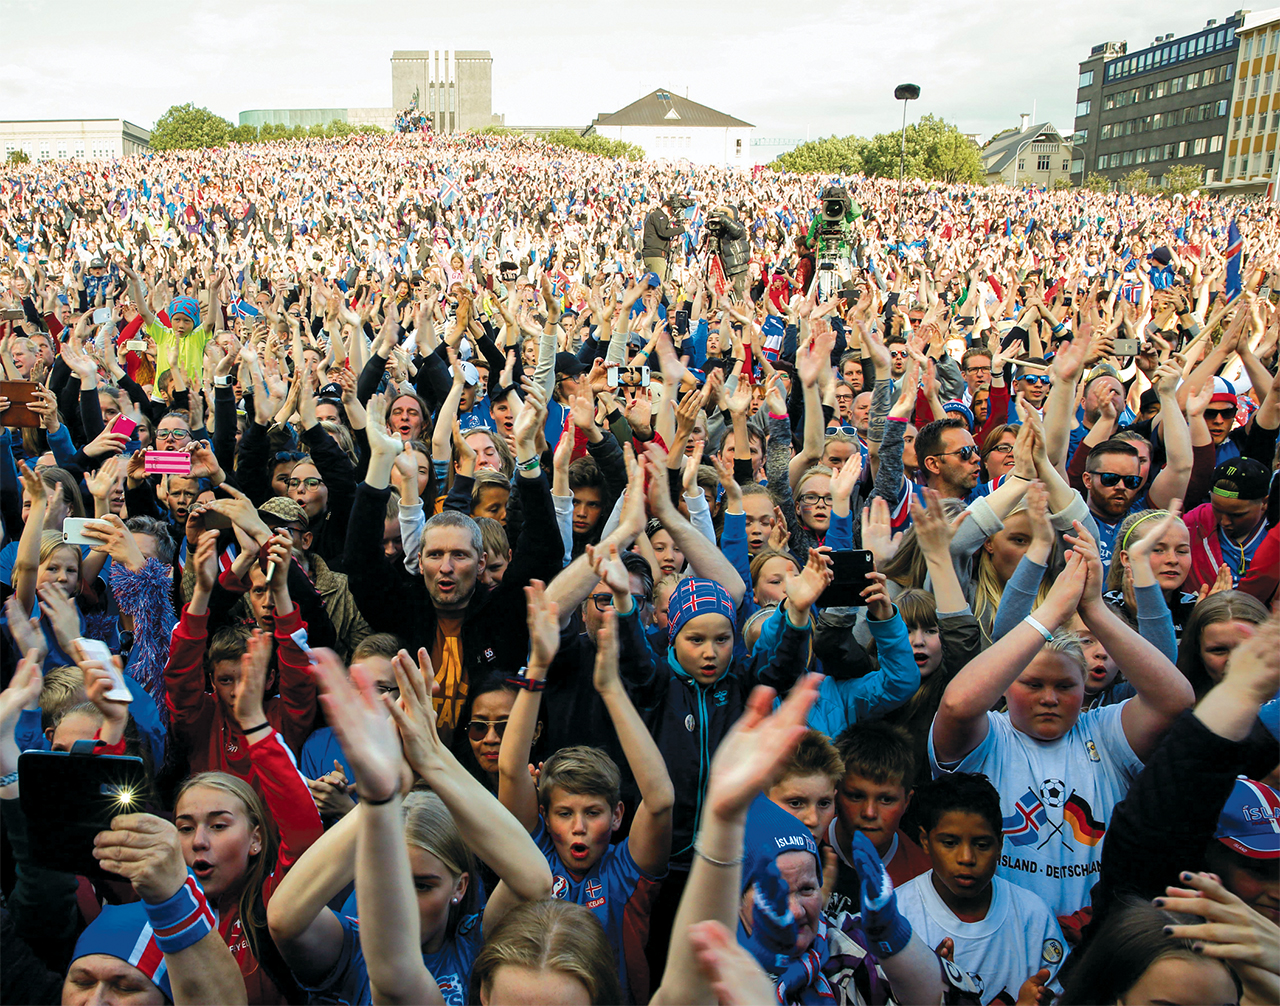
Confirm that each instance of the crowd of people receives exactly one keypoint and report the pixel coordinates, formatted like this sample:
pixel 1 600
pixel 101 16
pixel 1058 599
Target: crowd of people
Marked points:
pixel 502 577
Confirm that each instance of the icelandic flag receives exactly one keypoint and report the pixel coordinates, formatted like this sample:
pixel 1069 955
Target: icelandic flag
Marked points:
pixel 449 191
pixel 1029 816
pixel 1235 245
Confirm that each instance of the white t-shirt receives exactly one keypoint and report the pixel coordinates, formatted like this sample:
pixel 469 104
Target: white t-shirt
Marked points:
pixel 1018 937
pixel 1056 798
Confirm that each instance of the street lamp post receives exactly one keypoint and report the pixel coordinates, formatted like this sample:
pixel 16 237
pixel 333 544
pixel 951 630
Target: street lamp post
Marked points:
pixel 1016 154
pixel 903 93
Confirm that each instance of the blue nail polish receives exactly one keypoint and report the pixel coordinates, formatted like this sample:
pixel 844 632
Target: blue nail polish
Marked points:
pixel 1188 877
pixel 1168 930
pixel 1158 902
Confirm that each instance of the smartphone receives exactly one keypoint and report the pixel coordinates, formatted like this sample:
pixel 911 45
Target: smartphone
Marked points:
pixel 123 425
pixel 167 463
pixel 73 530
pixel 12 314
pixel 136 345
pixel 101 315
pixel 96 649
pixel 1125 347
pixel 682 322
pixel 628 377
pixel 851 567
pixel 70 796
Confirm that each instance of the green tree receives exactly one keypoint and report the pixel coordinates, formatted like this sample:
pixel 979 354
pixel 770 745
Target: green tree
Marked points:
pixel 1137 182
pixel 244 133
pixel 1096 182
pixel 185 127
pixel 826 155
pixel 935 149
pixel 371 128
pixel 594 144
pixel 1182 178
pixel 1061 183
pixel 18 157
pixel 497 131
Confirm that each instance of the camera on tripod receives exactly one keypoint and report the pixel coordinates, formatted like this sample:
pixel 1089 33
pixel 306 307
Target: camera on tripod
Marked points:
pixel 680 202
pixel 716 222
pixel 836 203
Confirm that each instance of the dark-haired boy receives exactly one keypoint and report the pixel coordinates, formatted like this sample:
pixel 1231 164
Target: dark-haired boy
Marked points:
pixel 1001 933
pixel 879 766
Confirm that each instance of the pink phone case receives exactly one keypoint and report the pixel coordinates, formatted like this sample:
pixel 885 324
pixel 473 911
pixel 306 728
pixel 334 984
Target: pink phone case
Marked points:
pixel 167 463
pixel 123 425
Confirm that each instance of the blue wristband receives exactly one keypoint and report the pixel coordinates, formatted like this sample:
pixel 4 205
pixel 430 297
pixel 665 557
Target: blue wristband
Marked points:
pixel 183 920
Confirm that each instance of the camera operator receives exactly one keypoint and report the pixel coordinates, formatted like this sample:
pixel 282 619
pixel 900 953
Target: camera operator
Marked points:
pixel 728 239
pixel 659 229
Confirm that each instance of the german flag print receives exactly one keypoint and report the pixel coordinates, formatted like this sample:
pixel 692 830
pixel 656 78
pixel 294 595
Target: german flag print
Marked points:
pixel 1076 812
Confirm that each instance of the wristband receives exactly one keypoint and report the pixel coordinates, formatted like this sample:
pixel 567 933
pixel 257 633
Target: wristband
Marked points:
pixel 1048 636
pixel 521 679
pixel 221 382
pixel 529 466
pixel 778 415
pixel 380 803
pixel 182 920
pixel 697 851
pixel 253 730
pixel 8 780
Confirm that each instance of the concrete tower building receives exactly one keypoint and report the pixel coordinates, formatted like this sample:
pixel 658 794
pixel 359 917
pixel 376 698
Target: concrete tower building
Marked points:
pixel 454 88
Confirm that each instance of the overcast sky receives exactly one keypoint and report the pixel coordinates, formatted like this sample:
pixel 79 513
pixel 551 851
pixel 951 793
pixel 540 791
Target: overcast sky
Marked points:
pixel 787 68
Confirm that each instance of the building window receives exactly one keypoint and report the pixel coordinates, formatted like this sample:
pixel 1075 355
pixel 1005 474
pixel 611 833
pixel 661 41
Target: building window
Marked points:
pixel 1140 156
pixel 1106 132
pixel 1235 128
pixel 1086 78
pixel 1126 158
pixel 1215 144
pixel 1226 70
pixel 1115 160
pixel 1102 162
pixel 1253 86
pixel 1266 84
pixel 739 146
pixel 1244 166
pixel 1221 108
pixel 1271 160
pixel 1082 107
pixel 1066 166
pixel 1200 146
pixel 1231 166
pixel 1161 88
pixel 1022 165
pixel 1042 162
pixel 1080 137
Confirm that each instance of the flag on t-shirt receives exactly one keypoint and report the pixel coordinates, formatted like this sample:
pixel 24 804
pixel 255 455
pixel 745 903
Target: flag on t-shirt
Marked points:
pixel 1079 815
pixel 1029 816
pixel 1235 245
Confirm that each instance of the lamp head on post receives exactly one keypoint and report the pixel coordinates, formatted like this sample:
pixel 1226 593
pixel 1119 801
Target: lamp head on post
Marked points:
pixel 903 93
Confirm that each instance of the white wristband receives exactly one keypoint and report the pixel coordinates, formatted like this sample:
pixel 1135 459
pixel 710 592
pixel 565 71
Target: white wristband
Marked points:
pixel 1039 628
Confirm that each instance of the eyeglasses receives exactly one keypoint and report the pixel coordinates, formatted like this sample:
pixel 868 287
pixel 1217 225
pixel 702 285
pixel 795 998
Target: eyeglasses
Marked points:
pixel 977 370
pixel 850 430
pixel 1001 449
pixel 1211 414
pixel 478 730
pixel 898 354
pixel 965 453
pixel 1035 378
pixel 173 435
pixel 604 601
pixel 1112 479
pixel 813 499
pixel 309 483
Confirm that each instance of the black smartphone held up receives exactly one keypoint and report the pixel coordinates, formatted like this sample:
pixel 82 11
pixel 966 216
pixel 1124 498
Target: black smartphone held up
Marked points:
pixel 851 567
pixel 682 322
pixel 70 796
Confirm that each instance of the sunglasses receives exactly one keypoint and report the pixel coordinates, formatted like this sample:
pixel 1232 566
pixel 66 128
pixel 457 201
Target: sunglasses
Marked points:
pixel 1035 378
pixel 604 601
pixel 478 730
pixel 964 453
pixel 1211 414
pixel 289 456
pixel 1112 479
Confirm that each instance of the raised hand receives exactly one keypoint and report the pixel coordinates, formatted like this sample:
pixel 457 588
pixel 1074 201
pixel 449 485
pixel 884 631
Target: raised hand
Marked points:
pixel 543 618
pixel 805 587
pixel 877 532
pixel 415 713
pixel 933 531
pixel 1085 546
pixel 360 718
pixel 380 440
pixel 25 630
pixel 146 851
pixel 103 482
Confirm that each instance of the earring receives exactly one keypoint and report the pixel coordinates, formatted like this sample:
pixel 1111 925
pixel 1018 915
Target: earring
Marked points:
pixel 455 901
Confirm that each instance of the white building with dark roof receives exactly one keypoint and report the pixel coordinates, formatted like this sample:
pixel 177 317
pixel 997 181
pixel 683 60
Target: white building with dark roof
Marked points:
pixel 668 126
pixel 1033 154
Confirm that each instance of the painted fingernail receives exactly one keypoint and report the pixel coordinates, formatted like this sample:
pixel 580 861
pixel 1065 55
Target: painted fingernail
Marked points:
pixel 1188 877
pixel 1197 948
pixel 1168 930
pixel 1158 902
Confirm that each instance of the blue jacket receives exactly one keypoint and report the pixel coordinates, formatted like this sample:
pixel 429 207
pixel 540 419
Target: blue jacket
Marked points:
pixel 688 720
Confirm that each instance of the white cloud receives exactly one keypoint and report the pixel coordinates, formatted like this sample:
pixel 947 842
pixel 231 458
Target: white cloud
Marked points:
pixel 826 68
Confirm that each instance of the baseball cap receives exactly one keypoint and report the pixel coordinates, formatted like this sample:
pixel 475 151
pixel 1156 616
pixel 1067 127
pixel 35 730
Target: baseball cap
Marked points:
pixel 1250 820
pixel 568 365
pixel 1224 391
pixel 330 390
pixel 652 279
pixel 1161 255
pixel 281 510
pixel 97 263
pixel 1248 477
pixel 469 373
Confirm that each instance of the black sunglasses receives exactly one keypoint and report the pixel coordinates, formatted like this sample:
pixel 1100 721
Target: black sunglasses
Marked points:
pixel 1220 414
pixel 289 456
pixel 964 453
pixel 478 730
pixel 1112 479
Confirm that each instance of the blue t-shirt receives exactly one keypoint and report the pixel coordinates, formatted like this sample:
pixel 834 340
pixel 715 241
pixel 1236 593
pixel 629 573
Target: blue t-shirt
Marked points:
pixel 320 751
pixel 348 981
pixel 620 895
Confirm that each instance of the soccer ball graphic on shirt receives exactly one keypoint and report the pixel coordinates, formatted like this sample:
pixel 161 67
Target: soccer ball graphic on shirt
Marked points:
pixel 1053 792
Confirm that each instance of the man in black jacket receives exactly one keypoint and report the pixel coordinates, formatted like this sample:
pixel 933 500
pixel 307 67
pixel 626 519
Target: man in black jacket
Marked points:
pixel 467 629
pixel 659 229
pixel 734 246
